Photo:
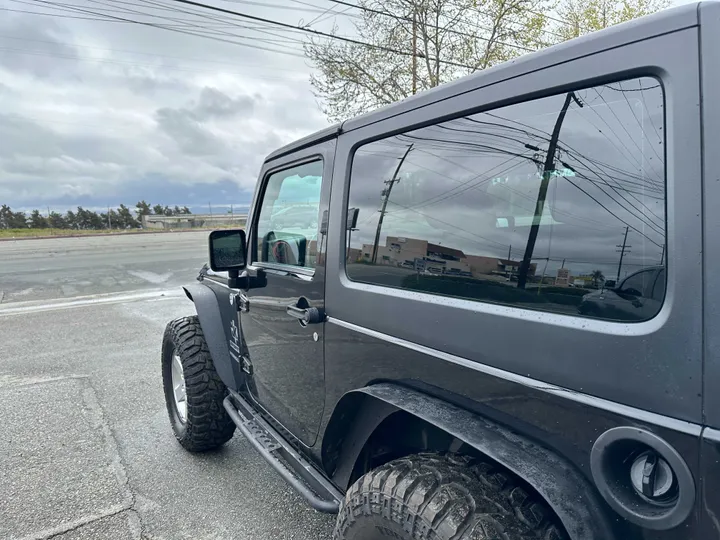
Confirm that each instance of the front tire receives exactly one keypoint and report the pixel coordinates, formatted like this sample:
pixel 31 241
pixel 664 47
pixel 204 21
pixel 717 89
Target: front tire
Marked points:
pixel 194 393
pixel 428 496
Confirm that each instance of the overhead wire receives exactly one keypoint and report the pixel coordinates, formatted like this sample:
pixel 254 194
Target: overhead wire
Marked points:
pixel 313 31
pixel 181 31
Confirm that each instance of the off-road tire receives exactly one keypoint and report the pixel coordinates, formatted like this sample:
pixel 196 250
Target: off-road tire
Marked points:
pixel 207 425
pixel 435 497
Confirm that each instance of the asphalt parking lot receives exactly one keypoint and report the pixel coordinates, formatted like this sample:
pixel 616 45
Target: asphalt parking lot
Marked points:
pixel 86 450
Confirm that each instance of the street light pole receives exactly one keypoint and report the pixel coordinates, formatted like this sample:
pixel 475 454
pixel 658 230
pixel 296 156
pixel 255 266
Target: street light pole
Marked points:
pixel 548 169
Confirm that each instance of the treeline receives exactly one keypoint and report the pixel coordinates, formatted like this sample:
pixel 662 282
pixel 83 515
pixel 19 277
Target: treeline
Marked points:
pixel 121 217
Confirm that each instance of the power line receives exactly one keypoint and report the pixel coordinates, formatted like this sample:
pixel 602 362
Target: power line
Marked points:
pixel 652 147
pixel 388 14
pixel 187 32
pixel 204 60
pixel 313 31
pixel 60 16
pixel 125 63
pixel 409 19
pixel 621 124
pixel 284 39
pixel 612 213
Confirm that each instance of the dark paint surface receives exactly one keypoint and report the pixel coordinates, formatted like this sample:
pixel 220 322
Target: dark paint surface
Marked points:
pixel 568 428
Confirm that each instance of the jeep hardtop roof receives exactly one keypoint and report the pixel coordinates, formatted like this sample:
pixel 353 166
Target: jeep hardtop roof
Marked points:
pixel 662 22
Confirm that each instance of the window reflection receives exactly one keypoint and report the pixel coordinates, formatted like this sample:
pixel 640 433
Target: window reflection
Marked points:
pixel 288 221
pixel 549 204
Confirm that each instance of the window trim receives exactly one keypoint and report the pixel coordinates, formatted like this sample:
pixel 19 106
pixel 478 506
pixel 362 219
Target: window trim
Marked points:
pixel 575 86
pixel 257 208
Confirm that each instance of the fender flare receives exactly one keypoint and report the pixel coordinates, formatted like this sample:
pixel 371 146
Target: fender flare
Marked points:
pixel 571 496
pixel 211 322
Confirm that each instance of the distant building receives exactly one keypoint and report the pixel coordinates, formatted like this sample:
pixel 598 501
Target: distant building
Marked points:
pixel 190 221
pixel 413 253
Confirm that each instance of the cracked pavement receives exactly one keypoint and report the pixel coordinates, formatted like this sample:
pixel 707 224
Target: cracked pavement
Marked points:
pixel 86 449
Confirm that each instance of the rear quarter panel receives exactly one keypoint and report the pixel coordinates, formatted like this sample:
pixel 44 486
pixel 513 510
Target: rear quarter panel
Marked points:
pixel 647 374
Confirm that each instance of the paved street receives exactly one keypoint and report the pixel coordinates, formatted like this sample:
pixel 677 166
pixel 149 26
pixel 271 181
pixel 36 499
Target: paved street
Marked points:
pixel 86 450
pixel 70 267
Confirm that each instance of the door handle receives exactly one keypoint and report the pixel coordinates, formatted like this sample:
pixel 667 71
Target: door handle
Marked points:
pixel 309 315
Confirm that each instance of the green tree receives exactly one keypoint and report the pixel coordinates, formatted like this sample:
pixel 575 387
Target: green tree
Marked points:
pixel 71 220
pixel 185 210
pixel 37 220
pixel 126 219
pixel 597 277
pixel 87 219
pixel 159 210
pixel 5 213
pixel 143 209
pixel 419 44
pixel 56 221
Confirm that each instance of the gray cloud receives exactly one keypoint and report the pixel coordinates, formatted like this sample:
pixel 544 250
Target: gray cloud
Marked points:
pixel 92 111
pixel 214 104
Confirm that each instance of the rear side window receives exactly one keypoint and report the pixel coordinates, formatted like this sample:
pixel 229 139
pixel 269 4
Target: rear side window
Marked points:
pixel 546 204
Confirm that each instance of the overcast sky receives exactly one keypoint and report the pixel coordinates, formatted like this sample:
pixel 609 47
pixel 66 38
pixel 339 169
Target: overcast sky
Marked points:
pixel 101 113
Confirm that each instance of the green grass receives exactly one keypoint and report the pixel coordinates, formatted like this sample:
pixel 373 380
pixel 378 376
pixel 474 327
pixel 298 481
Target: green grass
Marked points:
pixel 30 233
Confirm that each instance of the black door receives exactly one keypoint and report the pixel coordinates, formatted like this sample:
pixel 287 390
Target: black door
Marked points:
pixel 282 323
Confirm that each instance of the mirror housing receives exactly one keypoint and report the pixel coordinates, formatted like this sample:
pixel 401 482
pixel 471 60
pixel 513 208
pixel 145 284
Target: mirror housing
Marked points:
pixel 227 250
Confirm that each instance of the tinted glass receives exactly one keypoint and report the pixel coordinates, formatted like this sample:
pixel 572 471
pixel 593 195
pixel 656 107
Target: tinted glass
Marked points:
pixel 639 284
pixel 573 185
pixel 287 226
pixel 659 289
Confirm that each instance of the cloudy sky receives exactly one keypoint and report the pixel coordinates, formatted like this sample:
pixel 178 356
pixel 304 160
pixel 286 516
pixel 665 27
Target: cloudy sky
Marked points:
pixel 99 113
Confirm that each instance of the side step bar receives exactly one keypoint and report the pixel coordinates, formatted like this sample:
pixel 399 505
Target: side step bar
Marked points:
pixel 294 469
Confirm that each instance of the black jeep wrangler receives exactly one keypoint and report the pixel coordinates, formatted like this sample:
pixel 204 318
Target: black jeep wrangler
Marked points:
pixel 435 345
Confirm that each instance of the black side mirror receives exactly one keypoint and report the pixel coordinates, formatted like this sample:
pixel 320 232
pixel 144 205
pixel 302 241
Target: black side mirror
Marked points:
pixel 227 250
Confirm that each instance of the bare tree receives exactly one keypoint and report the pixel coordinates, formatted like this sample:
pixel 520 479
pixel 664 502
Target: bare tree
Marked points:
pixel 419 44
pixel 585 16
pixel 413 45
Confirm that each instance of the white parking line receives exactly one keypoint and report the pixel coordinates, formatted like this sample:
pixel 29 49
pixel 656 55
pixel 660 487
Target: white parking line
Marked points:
pixel 18 308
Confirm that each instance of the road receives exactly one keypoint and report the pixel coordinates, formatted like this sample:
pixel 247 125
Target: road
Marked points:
pixel 86 449
pixel 70 267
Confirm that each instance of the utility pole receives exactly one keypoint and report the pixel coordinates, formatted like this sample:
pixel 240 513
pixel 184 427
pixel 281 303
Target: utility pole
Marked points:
pixel 414 50
pixel 508 266
pixel 548 168
pixel 624 248
pixel 210 207
pixel 109 222
pixel 386 196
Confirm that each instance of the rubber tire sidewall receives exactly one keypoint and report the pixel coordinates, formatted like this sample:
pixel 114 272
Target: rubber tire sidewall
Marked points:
pixel 207 425
pixel 168 349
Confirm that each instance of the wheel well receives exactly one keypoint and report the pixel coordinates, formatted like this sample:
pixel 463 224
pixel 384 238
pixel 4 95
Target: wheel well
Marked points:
pixel 376 424
pixel 402 434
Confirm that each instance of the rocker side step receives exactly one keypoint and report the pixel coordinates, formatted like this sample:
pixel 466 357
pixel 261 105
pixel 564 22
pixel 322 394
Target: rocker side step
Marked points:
pixel 290 465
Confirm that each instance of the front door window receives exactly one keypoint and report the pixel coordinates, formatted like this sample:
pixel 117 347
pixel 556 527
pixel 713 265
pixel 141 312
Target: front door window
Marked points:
pixel 287 227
